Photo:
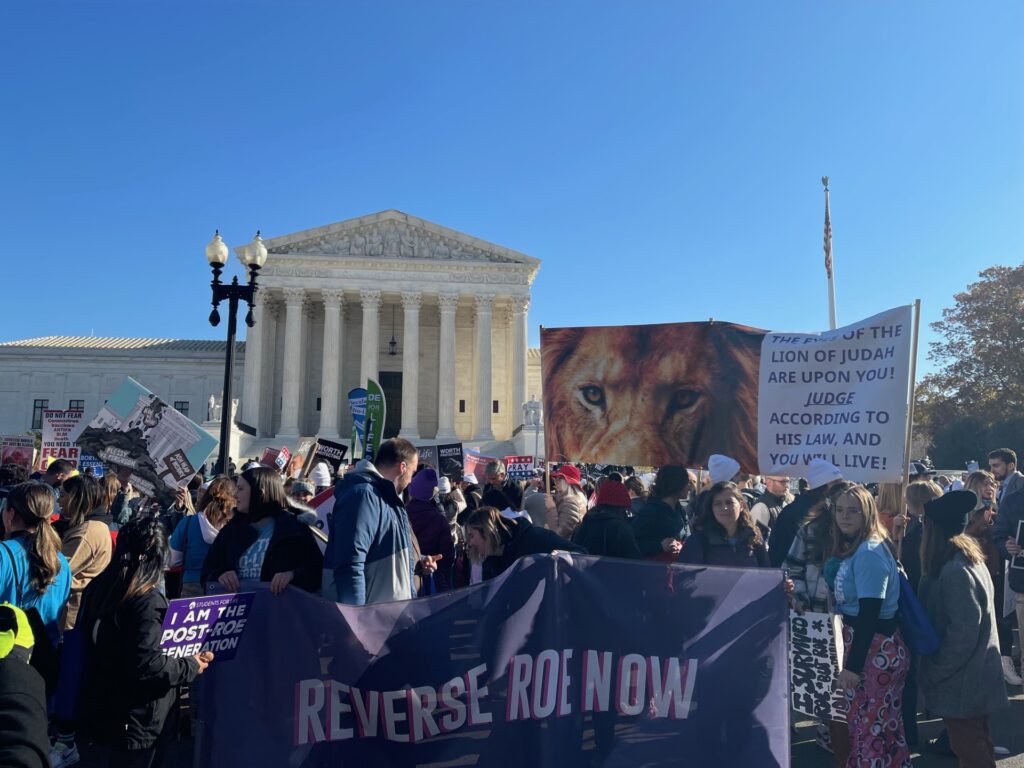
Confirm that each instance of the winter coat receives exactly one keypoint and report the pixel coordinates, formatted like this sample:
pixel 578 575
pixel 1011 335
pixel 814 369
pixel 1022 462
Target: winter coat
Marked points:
pixel 435 538
pixel 786 526
pixel 606 531
pixel 1013 484
pixel 291 548
pixel 88 548
pixel 654 523
pixel 527 539
pixel 804 565
pixel 1011 513
pixel 569 511
pixel 965 678
pixel 711 548
pixel 369 545
pixel 24 743
pixel 767 508
pixel 128 687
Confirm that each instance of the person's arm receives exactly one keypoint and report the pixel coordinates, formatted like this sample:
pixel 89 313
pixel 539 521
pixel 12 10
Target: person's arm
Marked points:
pixel 1004 529
pixel 761 556
pixel 443 575
pixel 645 533
pixel 309 571
pixel 864 627
pixel 569 516
pixel 353 536
pixel 692 552
pixel 781 539
pixel 154 673
pixel 177 545
pixel 216 563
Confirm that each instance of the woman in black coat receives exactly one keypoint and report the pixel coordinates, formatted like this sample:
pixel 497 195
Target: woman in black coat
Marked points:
pixel 605 530
pixel 264 541
pixel 128 686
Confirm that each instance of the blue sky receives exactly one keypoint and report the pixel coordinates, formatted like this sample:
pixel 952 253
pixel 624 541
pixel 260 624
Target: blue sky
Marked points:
pixel 662 158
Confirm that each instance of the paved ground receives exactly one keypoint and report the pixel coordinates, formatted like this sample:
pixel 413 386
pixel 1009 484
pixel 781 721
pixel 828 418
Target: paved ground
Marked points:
pixel 1007 731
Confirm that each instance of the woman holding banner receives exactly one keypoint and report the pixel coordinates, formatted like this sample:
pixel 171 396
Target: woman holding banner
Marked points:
pixel 495 542
pixel 725 533
pixel 864 582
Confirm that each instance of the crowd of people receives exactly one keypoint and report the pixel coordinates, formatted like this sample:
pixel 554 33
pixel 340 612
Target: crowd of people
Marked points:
pixel 90 565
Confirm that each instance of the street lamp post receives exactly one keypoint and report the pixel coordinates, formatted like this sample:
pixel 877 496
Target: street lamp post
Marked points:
pixel 253 256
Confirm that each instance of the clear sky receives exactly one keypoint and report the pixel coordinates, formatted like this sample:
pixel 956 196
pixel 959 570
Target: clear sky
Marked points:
pixel 662 158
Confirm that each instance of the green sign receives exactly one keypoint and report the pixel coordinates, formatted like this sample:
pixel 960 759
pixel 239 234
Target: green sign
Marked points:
pixel 376 409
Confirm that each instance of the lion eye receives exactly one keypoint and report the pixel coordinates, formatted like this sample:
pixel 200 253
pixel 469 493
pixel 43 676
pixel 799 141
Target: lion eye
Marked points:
pixel 592 395
pixel 683 399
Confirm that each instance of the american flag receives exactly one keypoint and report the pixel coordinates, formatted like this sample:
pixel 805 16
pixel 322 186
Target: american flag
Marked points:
pixel 828 238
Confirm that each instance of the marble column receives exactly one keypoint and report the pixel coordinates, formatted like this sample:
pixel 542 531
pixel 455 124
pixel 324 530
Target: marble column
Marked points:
pixel 447 304
pixel 482 360
pixel 520 304
pixel 369 365
pixel 411 366
pixel 329 386
pixel 251 389
pixel 291 370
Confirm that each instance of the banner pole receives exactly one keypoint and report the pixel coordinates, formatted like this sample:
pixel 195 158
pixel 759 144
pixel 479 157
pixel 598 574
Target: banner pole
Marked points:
pixel 829 266
pixel 910 421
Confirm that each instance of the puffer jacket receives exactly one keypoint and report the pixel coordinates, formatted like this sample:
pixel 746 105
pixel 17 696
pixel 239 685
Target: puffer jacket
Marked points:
pixel 569 511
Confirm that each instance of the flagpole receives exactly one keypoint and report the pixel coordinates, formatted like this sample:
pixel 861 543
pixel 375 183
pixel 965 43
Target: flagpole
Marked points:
pixel 829 266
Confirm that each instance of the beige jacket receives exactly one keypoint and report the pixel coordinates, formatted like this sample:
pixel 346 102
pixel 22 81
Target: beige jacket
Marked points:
pixel 569 511
pixel 88 548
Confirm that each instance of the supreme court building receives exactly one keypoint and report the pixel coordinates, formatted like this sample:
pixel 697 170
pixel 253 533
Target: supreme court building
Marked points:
pixel 437 317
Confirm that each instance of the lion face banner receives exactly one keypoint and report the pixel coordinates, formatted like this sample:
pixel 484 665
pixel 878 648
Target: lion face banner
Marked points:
pixel 677 393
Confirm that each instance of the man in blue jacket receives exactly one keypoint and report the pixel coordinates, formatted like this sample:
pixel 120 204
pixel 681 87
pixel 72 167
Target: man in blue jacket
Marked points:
pixel 369 548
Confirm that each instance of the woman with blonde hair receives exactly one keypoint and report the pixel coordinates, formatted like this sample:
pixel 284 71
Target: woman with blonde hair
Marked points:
pixel 963 682
pixel 864 580
pixel 982 518
pixel 908 536
pixel 892 508
pixel 193 536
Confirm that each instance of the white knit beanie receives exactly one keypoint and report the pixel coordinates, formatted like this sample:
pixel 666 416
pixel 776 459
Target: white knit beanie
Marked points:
pixel 722 468
pixel 821 472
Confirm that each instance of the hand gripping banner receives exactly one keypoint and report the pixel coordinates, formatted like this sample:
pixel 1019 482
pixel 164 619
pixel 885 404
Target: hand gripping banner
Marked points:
pixel 560 662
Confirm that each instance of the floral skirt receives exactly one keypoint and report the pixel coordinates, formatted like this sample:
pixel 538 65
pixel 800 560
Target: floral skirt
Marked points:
pixel 875 714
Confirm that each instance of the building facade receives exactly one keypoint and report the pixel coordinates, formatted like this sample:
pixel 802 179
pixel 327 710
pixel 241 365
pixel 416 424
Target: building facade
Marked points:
pixel 437 317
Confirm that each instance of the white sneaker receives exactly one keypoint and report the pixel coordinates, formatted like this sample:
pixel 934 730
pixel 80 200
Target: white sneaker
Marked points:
pixel 62 755
pixel 1009 673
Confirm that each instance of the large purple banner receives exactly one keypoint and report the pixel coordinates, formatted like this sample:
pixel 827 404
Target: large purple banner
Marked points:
pixel 558 662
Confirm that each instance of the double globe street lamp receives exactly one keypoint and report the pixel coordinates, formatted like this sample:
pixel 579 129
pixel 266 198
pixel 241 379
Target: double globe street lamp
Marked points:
pixel 253 256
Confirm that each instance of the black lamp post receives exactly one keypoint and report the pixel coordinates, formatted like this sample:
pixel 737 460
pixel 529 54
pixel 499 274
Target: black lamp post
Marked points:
pixel 253 256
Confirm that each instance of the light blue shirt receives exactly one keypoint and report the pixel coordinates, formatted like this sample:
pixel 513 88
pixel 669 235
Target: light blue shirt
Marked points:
pixel 251 562
pixel 16 586
pixel 869 572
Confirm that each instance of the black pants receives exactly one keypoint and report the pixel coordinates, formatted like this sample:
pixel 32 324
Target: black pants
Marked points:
pixel 151 757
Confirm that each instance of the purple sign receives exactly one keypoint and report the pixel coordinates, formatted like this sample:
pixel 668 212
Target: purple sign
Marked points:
pixel 211 623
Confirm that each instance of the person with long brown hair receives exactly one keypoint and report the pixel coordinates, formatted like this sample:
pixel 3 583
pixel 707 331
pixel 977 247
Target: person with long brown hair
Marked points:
pixel 194 535
pixel 494 542
pixel 33 572
pixel 725 533
pixel 962 682
pixel 864 580
pixel 980 526
pixel 264 541
pixel 129 685
pixel 85 539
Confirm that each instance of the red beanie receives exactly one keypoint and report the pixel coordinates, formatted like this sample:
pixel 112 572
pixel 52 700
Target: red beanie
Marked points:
pixel 613 494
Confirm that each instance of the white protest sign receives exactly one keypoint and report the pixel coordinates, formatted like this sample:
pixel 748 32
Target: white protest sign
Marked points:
pixel 840 395
pixel 815 650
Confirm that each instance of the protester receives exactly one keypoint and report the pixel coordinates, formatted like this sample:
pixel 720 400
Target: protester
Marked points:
pixel 983 516
pixel 909 538
pixel 470 491
pixel 963 681
pixel 129 684
pixel 892 509
pixel 12 475
pixel 1002 463
pixel 864 581
pixel 724 533
pixel 191 540
pixel 541 509
pixel 85 537
pixel 56 473
pixel 496 542
pixel 33 571
pixel 659 526
pixel 605 529
pixel 430 526
pixel 1004 534
pixel 369 547
pixel 637 494
pixel 320 476
pixel 263 541
pixel 23 740
pixel 821 476
pixel 920 472
pixel 498 481
pixel 808 590
pixel 769 505
pixel 570 500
